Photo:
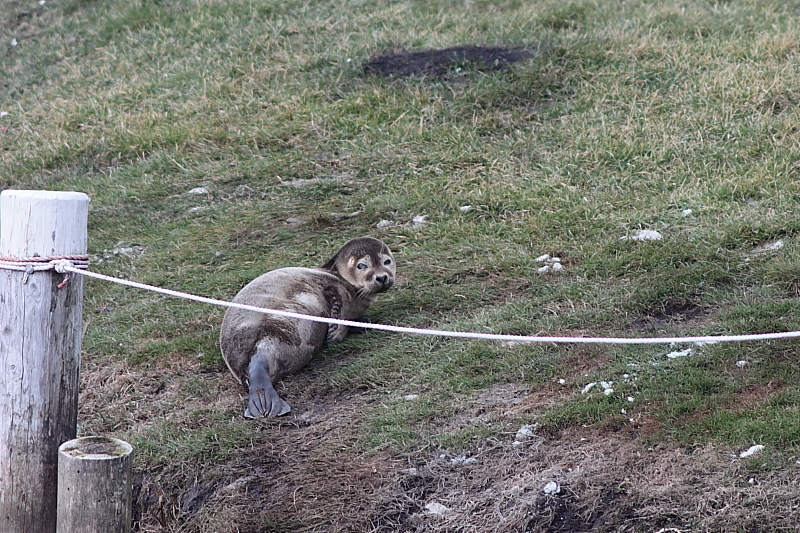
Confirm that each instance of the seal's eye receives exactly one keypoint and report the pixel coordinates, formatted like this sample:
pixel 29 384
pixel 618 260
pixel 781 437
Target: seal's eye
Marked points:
pixel 387 262
pixel 361 266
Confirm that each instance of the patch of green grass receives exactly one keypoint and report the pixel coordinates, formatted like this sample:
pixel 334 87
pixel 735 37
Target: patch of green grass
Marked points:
pixel 214 438
pixel 771 423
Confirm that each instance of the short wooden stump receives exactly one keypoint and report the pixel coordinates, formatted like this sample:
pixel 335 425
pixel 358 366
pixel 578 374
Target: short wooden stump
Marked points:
pixel 94 486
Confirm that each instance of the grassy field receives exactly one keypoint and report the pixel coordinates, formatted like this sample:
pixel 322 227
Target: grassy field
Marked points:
pixel 679 117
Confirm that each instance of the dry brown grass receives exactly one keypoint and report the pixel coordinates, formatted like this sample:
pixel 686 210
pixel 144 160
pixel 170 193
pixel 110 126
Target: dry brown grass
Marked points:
pixel 307 472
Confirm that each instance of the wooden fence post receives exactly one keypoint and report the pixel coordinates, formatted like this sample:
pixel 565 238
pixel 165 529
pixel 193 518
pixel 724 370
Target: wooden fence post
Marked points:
pixel 94 486
pixel 40 350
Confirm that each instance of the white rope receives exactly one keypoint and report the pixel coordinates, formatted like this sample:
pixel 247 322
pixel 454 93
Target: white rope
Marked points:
pixel 441 333
pixel 33 265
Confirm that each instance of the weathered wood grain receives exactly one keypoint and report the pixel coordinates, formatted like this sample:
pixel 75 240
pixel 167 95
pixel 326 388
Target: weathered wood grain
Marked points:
pixel 40 347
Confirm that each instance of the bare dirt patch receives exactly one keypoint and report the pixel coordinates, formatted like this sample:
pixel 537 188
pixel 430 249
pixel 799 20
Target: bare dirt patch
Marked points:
pixel 438 63
pixel 583 358
pixel 756 394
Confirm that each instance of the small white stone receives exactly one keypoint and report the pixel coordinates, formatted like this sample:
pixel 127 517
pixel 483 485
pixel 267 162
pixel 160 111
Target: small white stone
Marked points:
pixel 740 364
pixel 555 259
pixel 436 508
pixel 542 258
pixel 770 247
pixel 419 221
pixel 645 235
pixel 411 397
pixel 14 42
pixel 465 208
pixel 588 387
pixel 623 411
pixel 562 381
pixel 3 113
pixel 686 212
pixel 752 450
pixel 526 432
pixel 543 269
pixel 608 392
pixel 552 488
pixel 385 223
pixel 631 399
pixel 199 190
pixel 606 384
pixel 557 267
pixel 679 353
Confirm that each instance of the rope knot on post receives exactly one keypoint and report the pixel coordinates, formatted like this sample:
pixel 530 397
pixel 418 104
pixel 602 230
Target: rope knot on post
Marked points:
pixel 61 265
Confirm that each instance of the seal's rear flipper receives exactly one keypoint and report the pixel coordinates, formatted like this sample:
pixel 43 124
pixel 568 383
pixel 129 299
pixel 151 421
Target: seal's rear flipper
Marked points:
pixel 264 400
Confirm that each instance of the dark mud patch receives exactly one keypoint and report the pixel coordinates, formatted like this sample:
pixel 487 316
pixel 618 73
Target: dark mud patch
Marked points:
pixel 439 63
pixel 669 314
pixel 564 513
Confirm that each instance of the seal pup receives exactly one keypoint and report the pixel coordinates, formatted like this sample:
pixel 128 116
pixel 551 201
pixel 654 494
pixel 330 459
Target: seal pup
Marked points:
pixel 260 349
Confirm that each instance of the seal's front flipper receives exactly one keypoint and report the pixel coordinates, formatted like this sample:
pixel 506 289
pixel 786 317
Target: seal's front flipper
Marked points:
pixel 264 400
pixel 336 332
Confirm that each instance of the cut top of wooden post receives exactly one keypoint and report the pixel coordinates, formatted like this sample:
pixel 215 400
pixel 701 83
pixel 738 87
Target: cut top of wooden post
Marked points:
pixel 57 229
pixel 98 448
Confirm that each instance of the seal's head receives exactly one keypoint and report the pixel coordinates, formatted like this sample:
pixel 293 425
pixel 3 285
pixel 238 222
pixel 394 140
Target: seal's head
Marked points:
pixel 365 263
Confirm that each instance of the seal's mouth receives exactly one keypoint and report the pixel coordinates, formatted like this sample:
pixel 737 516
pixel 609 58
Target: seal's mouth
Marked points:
pixel 380 284
pixel 386 286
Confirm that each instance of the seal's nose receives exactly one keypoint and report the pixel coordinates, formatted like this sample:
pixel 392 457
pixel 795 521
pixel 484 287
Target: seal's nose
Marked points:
pixel 382 279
